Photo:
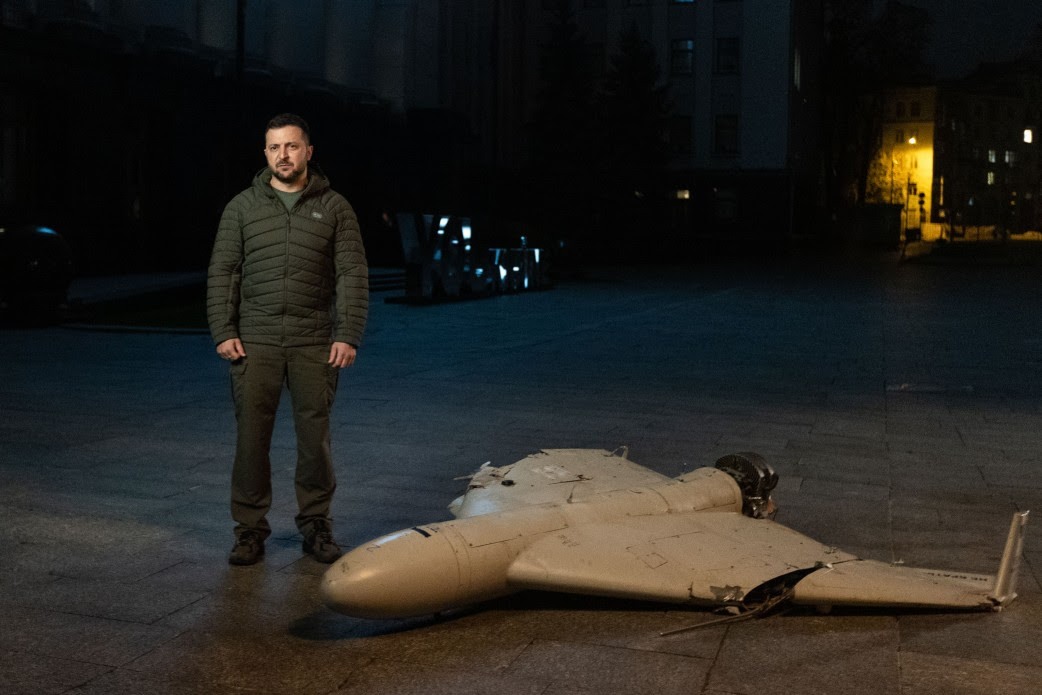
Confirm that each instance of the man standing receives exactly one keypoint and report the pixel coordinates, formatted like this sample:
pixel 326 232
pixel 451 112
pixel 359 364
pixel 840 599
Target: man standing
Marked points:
pixel 287 299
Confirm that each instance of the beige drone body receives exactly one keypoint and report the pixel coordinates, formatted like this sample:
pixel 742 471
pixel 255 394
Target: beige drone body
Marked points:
pixel 592 522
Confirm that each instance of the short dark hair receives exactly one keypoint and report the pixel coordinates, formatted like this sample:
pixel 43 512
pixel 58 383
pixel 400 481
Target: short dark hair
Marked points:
pixel 288 119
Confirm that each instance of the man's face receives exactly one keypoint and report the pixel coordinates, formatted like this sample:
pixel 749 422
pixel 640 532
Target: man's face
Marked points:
pixel 287 153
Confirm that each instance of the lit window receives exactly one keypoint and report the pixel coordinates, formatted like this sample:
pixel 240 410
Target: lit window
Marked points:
pixel 683 194
pixel 1029 135
pixel 991 156
pixel 1011 157
pixel 991 178
pixel 682 57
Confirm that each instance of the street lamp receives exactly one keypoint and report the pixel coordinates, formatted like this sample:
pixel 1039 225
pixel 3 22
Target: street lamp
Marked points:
pixel 905 213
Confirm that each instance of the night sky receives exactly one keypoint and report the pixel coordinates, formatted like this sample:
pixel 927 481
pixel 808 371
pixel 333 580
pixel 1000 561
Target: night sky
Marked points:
pixel 967 32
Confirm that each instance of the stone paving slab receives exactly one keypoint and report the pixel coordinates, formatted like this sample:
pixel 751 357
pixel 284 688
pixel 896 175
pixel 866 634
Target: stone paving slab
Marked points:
pixel 900 403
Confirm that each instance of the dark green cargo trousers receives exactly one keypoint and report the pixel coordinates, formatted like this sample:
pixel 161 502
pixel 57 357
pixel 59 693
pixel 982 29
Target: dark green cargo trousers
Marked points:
pixel 257 383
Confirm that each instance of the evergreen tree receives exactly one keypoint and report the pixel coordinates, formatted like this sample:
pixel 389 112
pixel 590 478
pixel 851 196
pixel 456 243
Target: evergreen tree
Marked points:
pixel 562 140
pixel 564 102
pixel 865 53
pixel 633 111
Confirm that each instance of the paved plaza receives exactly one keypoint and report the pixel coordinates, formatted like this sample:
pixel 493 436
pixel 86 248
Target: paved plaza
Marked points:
pixel 900 402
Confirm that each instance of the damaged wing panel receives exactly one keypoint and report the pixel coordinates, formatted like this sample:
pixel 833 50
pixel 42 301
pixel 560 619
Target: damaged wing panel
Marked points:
pixel 681 558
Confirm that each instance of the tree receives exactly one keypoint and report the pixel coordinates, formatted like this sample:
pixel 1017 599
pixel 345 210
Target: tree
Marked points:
pixel 865 52
pixel 562 141
pixel 633 112
pixel 633 108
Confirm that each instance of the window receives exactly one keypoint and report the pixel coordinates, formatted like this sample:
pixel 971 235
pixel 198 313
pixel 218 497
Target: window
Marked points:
pixel 899 137
pixel 1010 157
pixel 682 57
pixel 680 134
pixel 725 140
pixel 899 109
pixel 915 109
pixel 725 207
pixel 1029 135
pixel 992 156
pixel 991 178
pixel 797 69
pixel 727 56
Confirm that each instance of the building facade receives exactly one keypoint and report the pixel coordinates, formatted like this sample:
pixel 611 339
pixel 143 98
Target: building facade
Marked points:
pixel 743 79
pixel 417 104
pixel 902 172
pixel 961 158
pixel 988 168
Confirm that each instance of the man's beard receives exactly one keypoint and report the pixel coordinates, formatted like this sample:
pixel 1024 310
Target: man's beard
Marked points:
pixel 292 176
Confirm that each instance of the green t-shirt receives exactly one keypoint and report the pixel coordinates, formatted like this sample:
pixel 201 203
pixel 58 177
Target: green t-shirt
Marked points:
pixel 288 199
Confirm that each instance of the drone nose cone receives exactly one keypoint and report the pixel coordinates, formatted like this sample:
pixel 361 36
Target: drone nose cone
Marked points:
pixel 408 573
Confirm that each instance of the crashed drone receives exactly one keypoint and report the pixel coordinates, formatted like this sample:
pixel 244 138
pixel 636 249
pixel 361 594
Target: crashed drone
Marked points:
pixel 589 521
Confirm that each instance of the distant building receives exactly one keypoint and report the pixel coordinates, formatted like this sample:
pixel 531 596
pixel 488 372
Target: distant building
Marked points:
pixel 988 149
pixel 416 102
pixel 964 154
pixel 744 81
pixel 903 170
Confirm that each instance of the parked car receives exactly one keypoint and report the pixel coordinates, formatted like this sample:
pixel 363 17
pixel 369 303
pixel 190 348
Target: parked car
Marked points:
pixel 35 270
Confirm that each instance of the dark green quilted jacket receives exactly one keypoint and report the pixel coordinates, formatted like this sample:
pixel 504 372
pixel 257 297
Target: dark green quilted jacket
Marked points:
pixel 288 278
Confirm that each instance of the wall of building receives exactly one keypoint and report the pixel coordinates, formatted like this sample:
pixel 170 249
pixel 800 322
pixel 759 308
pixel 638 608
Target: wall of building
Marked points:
pixel 904 165
pixel 422 101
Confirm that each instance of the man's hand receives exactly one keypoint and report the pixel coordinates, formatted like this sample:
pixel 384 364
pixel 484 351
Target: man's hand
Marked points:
pixel 342 355
pixel 231 349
